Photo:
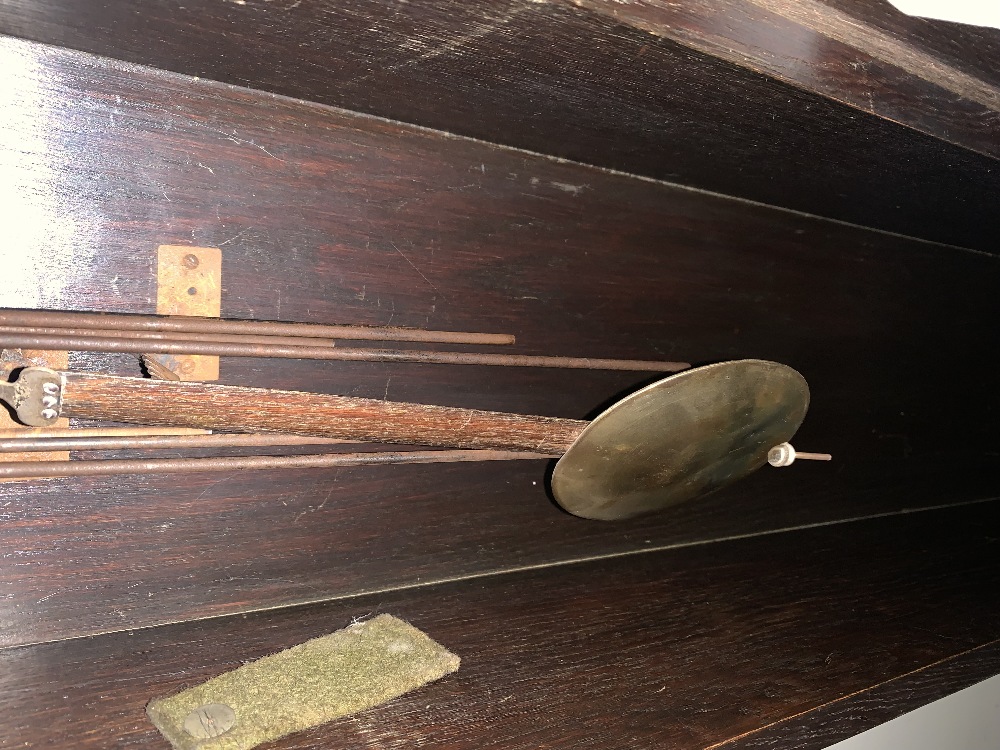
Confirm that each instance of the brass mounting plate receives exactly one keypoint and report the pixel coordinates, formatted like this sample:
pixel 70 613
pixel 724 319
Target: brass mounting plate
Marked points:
pixel 189 282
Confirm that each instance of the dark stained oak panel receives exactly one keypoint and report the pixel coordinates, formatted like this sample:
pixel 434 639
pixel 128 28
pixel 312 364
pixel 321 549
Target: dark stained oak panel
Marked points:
pixel 325 216
pixel 680 649
pixel 639 95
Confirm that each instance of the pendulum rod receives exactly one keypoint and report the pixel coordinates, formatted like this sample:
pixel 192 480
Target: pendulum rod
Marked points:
pixel 210 406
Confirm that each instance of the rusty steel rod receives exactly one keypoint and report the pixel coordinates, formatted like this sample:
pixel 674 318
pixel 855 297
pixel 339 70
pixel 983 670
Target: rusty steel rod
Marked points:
pixel 131 322
pixel 220 338
pixel 342 354
pixel 158 442
pixel 45 469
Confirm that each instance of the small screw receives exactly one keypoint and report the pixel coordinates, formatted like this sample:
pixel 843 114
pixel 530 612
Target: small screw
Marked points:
pixel 190 260
pixel 49 413
pixel 192 291
pixel 49 401
pixel 209 721
pixel 51 388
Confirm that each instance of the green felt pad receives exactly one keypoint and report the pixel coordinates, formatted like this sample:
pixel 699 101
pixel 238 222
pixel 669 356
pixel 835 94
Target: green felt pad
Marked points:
pixel 339 674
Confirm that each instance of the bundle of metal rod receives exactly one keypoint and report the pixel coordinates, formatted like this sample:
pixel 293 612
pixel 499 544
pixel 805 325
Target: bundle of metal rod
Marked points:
pixel 148 324
pixel 145 334
pixel 46 469
pixel 183 336
pixel 342 354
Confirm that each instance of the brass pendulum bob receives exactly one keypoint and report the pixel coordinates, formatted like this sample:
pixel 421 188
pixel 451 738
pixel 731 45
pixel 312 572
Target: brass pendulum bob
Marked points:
pixel 679 438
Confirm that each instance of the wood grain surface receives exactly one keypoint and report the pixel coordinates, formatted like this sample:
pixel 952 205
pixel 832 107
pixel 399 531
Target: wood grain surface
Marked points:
pixel 684 649
pixel 812 126
pixel 952 43
pixel 327 217
pixel 859 712
pixel 939 78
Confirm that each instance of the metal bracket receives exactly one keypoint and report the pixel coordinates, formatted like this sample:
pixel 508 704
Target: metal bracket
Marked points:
pixel 188 282
pixel 35 397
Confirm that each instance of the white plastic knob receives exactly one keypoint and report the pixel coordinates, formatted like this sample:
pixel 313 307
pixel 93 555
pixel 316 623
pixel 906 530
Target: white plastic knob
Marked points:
pixel 781 455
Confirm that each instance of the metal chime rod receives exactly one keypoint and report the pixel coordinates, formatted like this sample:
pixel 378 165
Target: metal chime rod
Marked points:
pixel 156 442
pixel 146 346
pixel 40 434
pixel 128 322
pixel 42 469
pixel 219 338
pixel 242 409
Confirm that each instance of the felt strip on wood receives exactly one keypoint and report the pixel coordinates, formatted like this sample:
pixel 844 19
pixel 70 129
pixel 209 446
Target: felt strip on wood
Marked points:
pixel 351 670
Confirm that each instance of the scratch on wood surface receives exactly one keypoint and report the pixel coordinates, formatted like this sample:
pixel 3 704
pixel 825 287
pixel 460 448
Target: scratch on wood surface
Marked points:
pixel 235 236
pixel 415 268
pixel 233 137
pixel 430 46
pixel 489 23
pixel 255 145
pixel 212 485
pixel 569 188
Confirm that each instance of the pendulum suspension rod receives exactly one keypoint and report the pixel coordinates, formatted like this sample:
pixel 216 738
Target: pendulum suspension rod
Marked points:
pixel 210 406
